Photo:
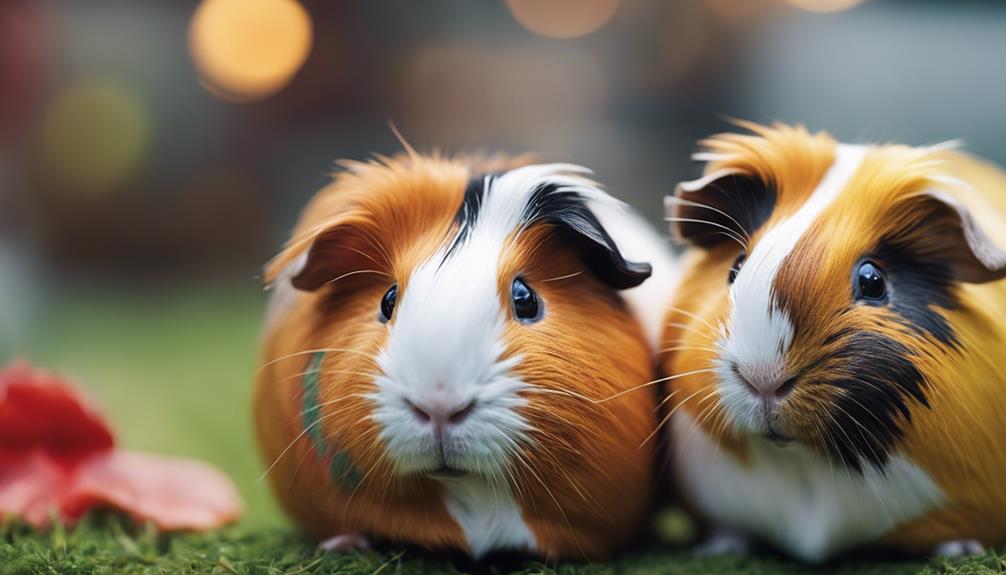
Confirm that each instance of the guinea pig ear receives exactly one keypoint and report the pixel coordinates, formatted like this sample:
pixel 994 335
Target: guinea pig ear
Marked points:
pixel 339 250
pixel 724 204
pixel 597 249
pixel 974 257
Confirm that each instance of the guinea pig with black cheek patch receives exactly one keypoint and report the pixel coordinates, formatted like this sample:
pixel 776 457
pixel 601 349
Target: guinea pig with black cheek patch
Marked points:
pixel 453 360
pixel 838 338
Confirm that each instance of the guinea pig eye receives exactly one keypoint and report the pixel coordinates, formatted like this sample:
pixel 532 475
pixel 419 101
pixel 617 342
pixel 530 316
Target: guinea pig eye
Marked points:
pixel 525 303
pixel 388 302
pixel 736 268
pixel 870 283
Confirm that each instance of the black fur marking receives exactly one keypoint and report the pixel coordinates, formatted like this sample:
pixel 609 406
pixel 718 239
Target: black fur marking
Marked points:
pixel 468 213
pixel 920 285
pixel 568 211
pixel 746 199
pixel 881 381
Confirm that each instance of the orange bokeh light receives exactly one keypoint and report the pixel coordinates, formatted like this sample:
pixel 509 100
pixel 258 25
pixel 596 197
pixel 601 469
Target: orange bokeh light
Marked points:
pixel 248 49
pixel 562 18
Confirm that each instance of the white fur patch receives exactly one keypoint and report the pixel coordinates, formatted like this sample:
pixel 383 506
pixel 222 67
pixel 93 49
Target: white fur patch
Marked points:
pixel 488 515
pixel 794 498
pixel 758 333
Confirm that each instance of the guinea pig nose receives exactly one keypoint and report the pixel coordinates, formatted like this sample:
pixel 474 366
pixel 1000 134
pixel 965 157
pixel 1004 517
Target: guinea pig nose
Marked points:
pixel 764 383
pixel 441 414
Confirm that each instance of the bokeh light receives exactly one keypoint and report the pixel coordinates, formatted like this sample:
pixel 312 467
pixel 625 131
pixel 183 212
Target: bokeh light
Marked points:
pixel 248 49
pixel 825 5
pixel 562 18
pixel 95 135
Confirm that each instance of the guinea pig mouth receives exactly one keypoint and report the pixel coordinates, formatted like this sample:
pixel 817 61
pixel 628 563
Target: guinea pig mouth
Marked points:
pixel 446 472
pixel 775 436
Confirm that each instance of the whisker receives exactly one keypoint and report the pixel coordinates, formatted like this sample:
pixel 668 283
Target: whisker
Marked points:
pixel 740 228
pixel 327 371
pixel 293 478
pixel 375 242
pixel 307 351
pixel 724 229
pixel 291 444
pixel 567 276
pixel 666 399
pixel 687 348
pixel 362 253
pixel 333 402
pixel 698 318
pixel 353 273
pixel 642 385
pixel 563 392
pixel 667 417
pixel 704 331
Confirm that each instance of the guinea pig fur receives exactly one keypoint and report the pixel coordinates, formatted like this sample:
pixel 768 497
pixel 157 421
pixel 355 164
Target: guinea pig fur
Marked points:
pixel 452 359
pixel 839 334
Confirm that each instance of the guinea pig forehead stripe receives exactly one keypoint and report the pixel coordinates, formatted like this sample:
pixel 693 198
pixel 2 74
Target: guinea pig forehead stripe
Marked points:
pixel 755 308
pixel 496 205
pixel 467 215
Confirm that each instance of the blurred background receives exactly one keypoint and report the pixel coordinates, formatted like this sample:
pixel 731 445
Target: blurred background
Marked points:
pixel 154 154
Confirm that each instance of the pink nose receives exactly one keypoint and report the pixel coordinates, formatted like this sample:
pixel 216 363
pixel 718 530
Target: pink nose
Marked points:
pixel 441 414
pixel 764 381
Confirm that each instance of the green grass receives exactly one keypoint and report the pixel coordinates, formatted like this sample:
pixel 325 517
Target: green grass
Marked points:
pixel 106 545
pixel 172 370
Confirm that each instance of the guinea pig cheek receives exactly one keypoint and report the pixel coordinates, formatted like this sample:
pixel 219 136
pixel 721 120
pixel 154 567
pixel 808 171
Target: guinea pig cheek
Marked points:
pixel 799 417
pixel 702 381
pixel 336 413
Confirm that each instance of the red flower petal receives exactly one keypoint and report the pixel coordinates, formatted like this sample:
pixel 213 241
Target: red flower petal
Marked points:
pixel 57 455
pixel 39 411
pixel 174 493
pixel 31 488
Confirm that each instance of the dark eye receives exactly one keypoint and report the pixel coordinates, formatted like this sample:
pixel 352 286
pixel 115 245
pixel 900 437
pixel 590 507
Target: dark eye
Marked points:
pixel 736 268
pixel 525 303
pixel 870 283
pixel 388 302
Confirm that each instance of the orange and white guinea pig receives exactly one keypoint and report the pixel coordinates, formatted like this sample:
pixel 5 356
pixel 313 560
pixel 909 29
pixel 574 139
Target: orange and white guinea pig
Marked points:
pixel 451 360
pixel 838 340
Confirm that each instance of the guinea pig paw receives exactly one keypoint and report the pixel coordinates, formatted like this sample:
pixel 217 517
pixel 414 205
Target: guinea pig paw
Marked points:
pixel 724 543
pixel 960 548
pixel 345 542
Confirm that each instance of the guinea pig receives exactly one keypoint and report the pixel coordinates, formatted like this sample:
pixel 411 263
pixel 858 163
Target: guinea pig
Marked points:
pixel 456 357
pixel 837 341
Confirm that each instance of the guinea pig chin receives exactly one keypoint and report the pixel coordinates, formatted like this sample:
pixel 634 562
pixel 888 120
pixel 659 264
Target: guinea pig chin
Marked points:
pixel 443 430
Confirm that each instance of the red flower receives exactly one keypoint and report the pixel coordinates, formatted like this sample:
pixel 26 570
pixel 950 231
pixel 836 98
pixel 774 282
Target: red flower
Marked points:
pixel 58 459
